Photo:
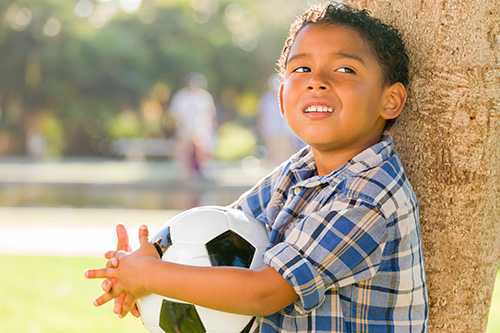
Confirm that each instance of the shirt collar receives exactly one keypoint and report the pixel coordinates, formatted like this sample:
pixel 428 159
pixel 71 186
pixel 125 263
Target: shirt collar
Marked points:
pixel 303 167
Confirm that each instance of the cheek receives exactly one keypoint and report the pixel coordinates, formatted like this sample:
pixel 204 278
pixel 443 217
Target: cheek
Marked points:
pixel 357 98
pixel 289 98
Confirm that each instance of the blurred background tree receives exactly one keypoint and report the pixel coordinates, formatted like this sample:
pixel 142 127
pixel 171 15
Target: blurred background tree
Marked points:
pixel 80 74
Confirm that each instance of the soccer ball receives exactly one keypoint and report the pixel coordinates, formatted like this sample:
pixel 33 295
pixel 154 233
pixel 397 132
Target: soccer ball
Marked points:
pixel 204 236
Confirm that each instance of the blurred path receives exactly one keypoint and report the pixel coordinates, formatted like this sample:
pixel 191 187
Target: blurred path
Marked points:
pixel 102 183
pixel 131 184
pixel 69 231
pixel 112 172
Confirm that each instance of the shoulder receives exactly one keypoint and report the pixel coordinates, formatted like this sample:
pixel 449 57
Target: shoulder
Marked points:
pixel 181 93
pixel 205 94
pixel 178 98
pixel 385 186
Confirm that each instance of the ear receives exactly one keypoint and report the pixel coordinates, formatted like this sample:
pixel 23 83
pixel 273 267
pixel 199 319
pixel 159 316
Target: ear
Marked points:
pixel 394 101
pixel 281 99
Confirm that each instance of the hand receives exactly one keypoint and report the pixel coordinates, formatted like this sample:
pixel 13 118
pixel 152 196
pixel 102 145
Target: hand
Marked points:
pixel 128 270
pixel 107 285
pixel 124 302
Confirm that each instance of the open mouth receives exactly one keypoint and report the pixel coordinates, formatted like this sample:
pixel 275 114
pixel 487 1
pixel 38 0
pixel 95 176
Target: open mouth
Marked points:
pixel 318 109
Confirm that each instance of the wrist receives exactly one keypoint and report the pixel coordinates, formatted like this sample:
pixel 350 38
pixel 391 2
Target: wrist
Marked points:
pixel 149 269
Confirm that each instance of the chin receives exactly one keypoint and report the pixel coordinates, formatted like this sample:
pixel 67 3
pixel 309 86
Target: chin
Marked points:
pixel 322 145
pixel 318 138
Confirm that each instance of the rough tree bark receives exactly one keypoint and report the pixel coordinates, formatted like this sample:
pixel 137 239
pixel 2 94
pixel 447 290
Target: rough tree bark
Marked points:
pixel 449 140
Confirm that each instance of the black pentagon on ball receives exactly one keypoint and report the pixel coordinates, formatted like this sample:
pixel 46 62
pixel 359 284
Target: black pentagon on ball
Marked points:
pixel 180 317
pixel 230 249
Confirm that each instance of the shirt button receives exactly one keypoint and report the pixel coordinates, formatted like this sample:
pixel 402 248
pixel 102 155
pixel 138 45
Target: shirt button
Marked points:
pixel 296 190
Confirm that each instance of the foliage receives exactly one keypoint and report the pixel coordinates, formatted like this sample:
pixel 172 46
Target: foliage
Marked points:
pixel 125 125
pixel 85 67
pixel 51 129
pixel 235 142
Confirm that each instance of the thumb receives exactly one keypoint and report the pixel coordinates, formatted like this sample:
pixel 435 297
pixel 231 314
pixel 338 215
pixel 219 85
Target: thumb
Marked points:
pixel 143 235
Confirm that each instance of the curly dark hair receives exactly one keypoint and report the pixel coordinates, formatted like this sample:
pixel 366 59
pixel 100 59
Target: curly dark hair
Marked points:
pixel 385 41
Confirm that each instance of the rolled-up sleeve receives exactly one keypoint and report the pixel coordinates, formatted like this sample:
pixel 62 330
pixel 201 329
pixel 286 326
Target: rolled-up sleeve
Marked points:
pixel 336 246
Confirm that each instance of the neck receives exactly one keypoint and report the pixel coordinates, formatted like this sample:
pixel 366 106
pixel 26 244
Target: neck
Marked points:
pixel 328 160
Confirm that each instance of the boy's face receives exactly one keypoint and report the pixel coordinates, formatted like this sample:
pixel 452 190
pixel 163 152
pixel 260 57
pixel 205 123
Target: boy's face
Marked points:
pixel 330 67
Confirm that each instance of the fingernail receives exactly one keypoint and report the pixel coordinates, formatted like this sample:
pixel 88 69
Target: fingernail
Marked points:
pixel 86 273
pixel 95 303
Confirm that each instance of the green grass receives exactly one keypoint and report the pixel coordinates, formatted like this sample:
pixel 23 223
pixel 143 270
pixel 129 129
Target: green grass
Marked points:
pixel 50 295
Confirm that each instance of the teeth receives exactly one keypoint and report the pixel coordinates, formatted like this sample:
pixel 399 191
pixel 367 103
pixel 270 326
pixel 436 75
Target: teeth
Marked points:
pixel 319 108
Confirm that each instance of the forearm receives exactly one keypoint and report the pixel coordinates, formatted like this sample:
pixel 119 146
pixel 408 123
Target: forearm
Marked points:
pixel 229 289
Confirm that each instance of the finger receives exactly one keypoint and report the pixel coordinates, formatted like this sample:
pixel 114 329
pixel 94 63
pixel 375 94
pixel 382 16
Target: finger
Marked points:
pixel 118 304
pixel 111 286
pixel 116 288
pixel 100 273
pixel 106 286
pixel 112 263
pixel 122 236
pixel 128 303
pixel 110 254
pixel 104 298
pixel 143 235
pixel 121 254
pixel 135 311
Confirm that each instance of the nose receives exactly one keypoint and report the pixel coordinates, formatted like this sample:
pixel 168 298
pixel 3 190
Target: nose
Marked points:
pixel 317 82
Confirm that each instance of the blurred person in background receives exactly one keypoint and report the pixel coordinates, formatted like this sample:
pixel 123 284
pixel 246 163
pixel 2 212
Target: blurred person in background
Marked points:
pixel 279 140
pixel 194 112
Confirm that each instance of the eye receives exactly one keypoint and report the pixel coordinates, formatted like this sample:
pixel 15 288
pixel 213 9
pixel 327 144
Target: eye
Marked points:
pixel 346 70
pixel 302 69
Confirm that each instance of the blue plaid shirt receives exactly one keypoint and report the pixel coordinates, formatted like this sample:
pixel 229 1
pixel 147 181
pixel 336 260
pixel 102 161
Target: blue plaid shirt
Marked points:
pixel 348 242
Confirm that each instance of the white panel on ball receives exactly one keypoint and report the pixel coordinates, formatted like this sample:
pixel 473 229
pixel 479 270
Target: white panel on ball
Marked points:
pixel 205 236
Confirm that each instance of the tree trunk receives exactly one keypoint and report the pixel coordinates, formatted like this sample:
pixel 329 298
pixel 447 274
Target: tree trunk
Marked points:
pixel 449 141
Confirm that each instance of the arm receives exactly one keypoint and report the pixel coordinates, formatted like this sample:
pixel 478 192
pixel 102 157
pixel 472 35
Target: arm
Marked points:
pixel 229 289
pixel 338 245
pixel 236 290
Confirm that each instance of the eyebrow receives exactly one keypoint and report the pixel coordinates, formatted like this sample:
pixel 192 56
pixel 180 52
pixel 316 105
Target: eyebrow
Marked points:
pixel 340 54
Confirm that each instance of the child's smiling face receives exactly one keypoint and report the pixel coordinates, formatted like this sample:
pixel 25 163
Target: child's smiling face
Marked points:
pixel 330 68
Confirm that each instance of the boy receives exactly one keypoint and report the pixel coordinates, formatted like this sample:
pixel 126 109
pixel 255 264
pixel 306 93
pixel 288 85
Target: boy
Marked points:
pixel 346 251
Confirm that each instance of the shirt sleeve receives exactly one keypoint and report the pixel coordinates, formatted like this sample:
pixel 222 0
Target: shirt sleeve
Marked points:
pixel 338 245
